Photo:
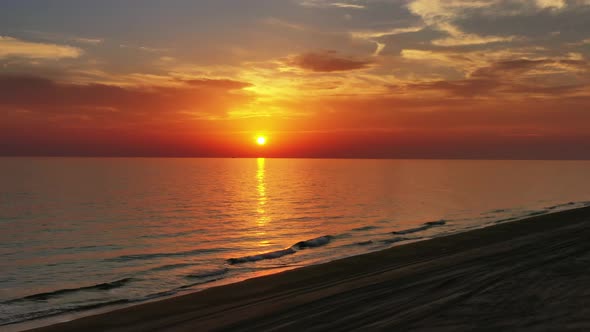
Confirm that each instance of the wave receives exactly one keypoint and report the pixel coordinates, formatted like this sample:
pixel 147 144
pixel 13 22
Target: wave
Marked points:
pixel 176 290
pixel 533 213
pixel 560 205
pixel 171 266
pixel 54 311
pixel 108 246
pixel 425 226
pixel 435 223
pixel 412 230
pixel 496 211
pixel 207 274
pixel 255 258
pixel 317 242
pixel 394 240
pixel 536 213
pixel 126 258
pixel 100 287
pixel 505 220
pixel 13 319
pixel 365 228
pixel 313 243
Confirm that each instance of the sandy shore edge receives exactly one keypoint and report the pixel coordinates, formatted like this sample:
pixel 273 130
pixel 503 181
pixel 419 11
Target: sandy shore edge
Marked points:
pixel 530 274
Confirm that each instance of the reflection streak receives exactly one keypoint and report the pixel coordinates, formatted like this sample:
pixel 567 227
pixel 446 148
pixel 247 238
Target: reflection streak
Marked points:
pixel 263 217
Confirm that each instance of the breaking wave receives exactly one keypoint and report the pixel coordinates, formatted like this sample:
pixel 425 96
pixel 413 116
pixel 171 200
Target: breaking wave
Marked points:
pixel 126 258
pixel 207 274
pixel 425 226
pixel 60 292
pixel 312 243
pixel 255 258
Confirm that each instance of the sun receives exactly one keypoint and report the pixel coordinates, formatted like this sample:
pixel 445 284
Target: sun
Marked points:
pixel 261 140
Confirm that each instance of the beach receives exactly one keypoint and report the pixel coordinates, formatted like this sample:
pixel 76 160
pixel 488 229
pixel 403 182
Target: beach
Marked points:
pixel 295 165
pixel 528 275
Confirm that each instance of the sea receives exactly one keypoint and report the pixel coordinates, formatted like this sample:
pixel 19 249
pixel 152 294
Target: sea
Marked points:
pixel 85 235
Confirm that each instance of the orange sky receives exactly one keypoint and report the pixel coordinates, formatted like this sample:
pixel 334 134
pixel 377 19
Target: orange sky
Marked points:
pixel 319 78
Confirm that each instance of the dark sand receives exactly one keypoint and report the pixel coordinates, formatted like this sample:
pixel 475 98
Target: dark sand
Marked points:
pixel 531 275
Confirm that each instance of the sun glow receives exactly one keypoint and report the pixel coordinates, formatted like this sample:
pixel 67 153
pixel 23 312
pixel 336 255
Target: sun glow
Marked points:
pixel 261 140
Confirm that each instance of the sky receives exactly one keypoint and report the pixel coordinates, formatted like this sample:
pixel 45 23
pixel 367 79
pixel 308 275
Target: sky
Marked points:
pixel 482 79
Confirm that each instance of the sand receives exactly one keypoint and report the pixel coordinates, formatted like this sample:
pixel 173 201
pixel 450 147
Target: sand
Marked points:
pixel 530 275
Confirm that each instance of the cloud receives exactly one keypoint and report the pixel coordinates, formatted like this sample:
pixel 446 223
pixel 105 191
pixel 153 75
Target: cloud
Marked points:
pixel 461 88
pixel 460 38
pixel 327 4
pixel 390 125
pixel 379 49
pixel 12 47
pixel 283 24
pixel 144 48
pixel 434 11
pixel 454 63
pixel 511 78
pixel 92 41
pixel 552 4
pixel 383 33
pixel 45 117
pixel 448 59
pixel 509 67
pixel 441 16
pixel 328 61
pixel 222 84
pixel 512 68
pixel 48 98
pixel 375 36
pixel 58 37
pixel 552 27
pixel 347 5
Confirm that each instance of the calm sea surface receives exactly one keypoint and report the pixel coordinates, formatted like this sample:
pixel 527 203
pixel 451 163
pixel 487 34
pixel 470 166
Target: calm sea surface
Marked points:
pixel 79 234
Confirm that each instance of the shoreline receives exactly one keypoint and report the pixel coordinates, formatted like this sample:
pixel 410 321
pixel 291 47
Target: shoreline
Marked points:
pixel 399 287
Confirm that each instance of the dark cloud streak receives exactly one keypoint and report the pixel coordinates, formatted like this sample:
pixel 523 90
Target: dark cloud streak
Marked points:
pixel 507 78
pixel 47 96
pixel 328 61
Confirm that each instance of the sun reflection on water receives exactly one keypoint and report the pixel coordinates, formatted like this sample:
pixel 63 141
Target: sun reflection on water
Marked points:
pixel 262 218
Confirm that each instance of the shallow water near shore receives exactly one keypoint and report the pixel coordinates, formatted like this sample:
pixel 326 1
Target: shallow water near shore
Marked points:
pixel 78 234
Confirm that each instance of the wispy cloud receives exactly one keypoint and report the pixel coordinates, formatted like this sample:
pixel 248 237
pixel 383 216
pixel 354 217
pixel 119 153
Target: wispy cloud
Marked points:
pixel 12 47
pixel 92 41
pixel 553 4
pixel 440 15
pixel 144 48
pixel 347 5
pixel 380 48
pixel 327 4
pixel 367 34
pixel 58 37
pixel 48 96
pixel 283 24
pixel 460 38
pixel 520 78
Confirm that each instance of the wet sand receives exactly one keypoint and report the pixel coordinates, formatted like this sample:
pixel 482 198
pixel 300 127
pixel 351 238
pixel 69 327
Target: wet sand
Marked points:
pixel 530 275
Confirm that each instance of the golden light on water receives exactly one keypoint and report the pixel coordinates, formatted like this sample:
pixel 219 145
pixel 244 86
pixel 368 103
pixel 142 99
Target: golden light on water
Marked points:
pixel 263 218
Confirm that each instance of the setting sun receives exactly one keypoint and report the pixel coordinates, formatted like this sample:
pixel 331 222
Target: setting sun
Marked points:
pixel 261 140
